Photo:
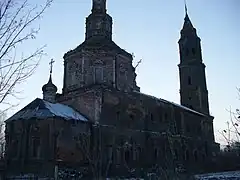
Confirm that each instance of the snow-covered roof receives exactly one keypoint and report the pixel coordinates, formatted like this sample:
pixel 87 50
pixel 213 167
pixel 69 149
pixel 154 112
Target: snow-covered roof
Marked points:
pixel 42 109
pixel 168 102
pixel 234 175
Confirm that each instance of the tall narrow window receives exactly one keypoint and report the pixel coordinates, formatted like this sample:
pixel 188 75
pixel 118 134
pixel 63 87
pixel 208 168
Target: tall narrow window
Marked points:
pixel 15 148
pixel 131 117
pixel 12 126
pixel 189 80
pixel 130 122
pixel 134 154
pixel 155 153
pixel 176 154
pixel 195 155
pixel 139 151
pixel 193 51
pixel 127 156
pixel 187 52
pixel 98 74
pixel 151 116
pixel 118 115
pixel 118 156
pixel 165 116
pixel 186 155
pixel 36 147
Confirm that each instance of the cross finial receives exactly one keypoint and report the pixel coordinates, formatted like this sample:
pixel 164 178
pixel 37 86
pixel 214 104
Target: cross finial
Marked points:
pixel 51 65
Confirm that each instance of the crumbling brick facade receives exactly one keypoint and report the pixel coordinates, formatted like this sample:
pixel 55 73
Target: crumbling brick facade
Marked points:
pixel 35 146
pixel 127 132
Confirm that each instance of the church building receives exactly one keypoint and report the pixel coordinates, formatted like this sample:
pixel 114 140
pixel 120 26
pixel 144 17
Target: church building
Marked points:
pixel 102 125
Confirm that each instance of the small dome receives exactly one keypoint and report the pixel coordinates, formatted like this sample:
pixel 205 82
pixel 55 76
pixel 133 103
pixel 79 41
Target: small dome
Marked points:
pixel 49 86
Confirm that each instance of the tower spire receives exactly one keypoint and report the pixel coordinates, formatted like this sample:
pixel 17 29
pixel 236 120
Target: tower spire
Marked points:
pixel 185 4
pixel 187 26
pixel 193 86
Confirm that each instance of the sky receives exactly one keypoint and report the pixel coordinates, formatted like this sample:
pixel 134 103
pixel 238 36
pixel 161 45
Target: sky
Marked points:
pixel 149 29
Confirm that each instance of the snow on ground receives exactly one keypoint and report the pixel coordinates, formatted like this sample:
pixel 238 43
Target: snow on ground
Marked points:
pixel 231 175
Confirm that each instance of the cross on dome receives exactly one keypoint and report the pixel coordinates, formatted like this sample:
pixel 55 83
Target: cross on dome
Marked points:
pixel 51 65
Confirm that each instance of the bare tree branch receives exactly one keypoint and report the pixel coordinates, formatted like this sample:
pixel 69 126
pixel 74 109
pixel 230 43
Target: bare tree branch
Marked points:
pixel 93 157
pixel 16 27
pixel 232 133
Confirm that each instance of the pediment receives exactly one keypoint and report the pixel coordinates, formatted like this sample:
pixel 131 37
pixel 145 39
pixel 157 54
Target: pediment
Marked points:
pixel 98 62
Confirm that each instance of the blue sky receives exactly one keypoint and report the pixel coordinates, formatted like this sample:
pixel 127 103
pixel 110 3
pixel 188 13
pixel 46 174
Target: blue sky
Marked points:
pixel 150 30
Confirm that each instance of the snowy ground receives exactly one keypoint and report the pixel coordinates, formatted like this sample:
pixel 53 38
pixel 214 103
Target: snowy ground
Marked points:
pixel 231 175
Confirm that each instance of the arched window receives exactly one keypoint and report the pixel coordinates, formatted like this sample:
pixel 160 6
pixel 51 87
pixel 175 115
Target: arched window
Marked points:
pixel 193 51
pixel 11 127
pixel 156 153
pixel 165 116
pixel 139 151
pixel 127 156
pixel 118 156
pixel 189 80
pixel 186 155
pixel 176 154
pixel 15 148
pixel 35 147
pixel 118 115
pixel 195 154
pixel 151 116
pixel 131 116
pixel 134 154
pixel 98 75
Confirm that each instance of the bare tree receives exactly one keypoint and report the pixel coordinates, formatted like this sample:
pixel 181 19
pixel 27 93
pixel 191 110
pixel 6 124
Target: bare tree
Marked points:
pixel 2 135
pixel 90 152
pixel 231 133
pixel 17 18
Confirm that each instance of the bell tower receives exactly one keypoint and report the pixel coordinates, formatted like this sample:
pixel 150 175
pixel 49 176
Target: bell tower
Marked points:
pixel 99 23
pixel 193 86
pixel 99 60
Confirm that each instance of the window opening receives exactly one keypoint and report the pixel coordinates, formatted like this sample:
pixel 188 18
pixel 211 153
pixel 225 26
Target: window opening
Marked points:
pixel 127 156
pixel 98 74
pixel 186 155
pixel 195 156
pixel 193 51
pixel 118 115
pixel 189 80
pixel 36 147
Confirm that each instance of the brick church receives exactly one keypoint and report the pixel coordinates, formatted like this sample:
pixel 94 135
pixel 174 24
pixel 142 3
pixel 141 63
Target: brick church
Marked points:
pixel 102 125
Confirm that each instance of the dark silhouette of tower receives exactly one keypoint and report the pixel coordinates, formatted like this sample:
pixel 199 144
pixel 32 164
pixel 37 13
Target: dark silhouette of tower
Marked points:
pixel 193 87
pixel 99 23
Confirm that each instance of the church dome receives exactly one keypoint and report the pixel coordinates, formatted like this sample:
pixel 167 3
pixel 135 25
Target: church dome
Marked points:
pixel 49 87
